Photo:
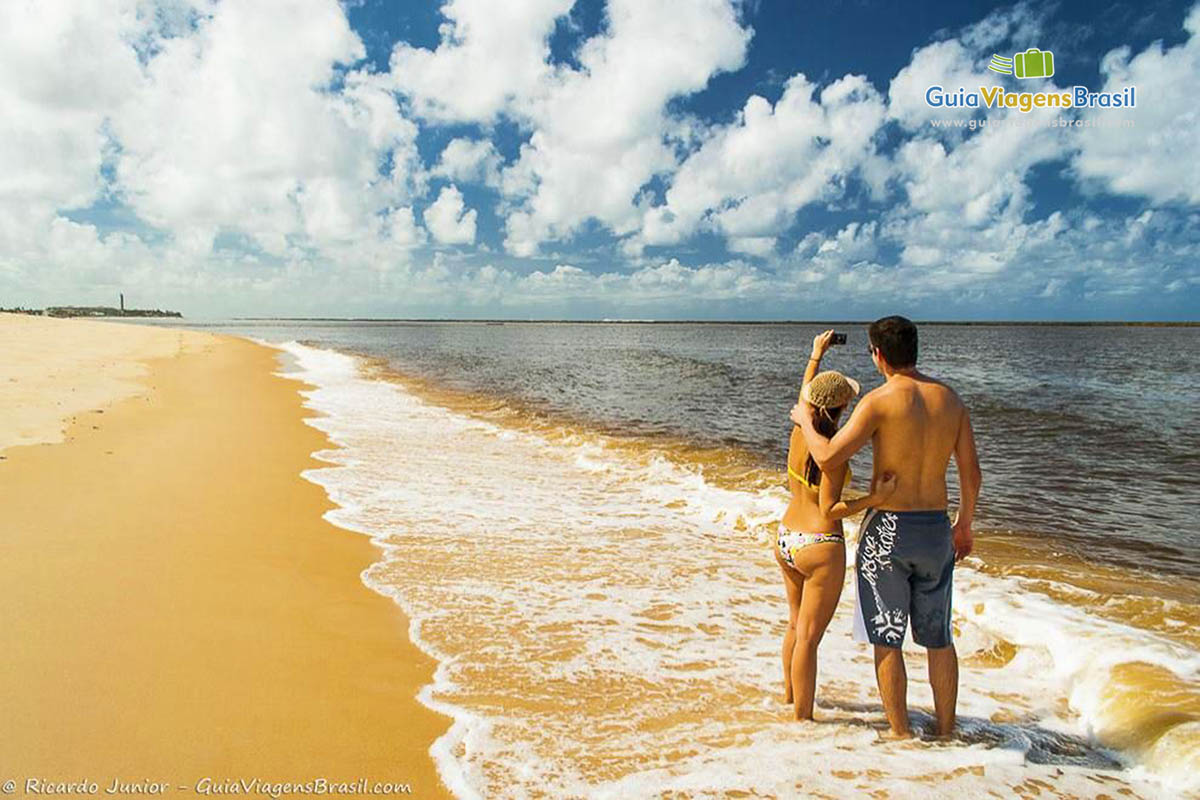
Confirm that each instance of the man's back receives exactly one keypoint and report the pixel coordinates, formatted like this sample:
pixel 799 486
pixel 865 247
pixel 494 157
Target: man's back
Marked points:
pixel 918 426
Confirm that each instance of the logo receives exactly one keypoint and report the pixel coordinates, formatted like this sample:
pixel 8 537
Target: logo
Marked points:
pixel 1033 63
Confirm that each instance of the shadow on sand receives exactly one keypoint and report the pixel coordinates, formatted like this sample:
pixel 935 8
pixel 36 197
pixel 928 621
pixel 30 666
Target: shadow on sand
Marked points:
pixel 1038 745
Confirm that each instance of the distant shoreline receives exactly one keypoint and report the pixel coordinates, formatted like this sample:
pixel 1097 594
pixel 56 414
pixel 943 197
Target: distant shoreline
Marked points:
pixel 977 323
pixel 91 312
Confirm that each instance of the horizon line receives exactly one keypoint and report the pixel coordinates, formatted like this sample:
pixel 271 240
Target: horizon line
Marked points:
pixel 634 321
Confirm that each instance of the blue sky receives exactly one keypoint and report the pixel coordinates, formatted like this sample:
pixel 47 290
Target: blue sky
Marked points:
pixel 547 159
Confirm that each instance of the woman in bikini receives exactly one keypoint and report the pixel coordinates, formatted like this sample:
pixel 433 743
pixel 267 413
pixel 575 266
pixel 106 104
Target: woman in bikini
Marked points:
pixel 810 547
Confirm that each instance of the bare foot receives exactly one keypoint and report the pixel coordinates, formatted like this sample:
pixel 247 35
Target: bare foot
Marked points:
pixel 895 736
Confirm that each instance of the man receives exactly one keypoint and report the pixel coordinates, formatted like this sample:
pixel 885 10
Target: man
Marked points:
pixel 906 547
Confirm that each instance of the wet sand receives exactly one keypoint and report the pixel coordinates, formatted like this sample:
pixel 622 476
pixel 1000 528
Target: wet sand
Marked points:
pixel 174 607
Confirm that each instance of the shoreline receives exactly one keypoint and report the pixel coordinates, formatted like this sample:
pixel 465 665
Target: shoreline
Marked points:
pixel 1124 711
pixel 176 606
pixel 656 645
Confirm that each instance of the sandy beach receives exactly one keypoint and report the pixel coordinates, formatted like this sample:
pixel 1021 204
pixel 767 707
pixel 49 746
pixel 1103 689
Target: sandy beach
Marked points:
pixel 174 607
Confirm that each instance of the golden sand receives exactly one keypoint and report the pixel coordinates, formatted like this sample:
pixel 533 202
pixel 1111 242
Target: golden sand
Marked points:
pixel 173 605
pixel 51 369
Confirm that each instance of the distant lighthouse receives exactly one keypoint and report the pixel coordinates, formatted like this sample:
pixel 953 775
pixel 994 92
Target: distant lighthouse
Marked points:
pixel 122 302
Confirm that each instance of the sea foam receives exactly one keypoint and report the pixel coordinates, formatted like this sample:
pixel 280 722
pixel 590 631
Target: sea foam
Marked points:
pixel 604 629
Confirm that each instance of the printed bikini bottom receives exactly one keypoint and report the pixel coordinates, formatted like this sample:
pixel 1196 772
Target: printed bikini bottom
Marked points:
pixel 790 541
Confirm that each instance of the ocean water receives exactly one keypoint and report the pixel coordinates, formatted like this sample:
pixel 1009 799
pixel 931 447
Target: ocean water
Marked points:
pixel 1087 435
pixel 576 519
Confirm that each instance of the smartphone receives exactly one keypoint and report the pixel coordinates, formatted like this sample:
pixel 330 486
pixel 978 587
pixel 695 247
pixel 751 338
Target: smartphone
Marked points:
pixel 838 338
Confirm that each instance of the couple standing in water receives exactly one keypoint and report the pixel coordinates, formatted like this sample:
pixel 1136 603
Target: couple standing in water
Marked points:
pixel 906 546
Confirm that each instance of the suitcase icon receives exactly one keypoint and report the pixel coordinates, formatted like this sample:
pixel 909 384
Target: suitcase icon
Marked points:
pixel 1033 63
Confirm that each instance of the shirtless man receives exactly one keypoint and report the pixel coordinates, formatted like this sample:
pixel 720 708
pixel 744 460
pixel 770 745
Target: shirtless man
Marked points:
pixel 907 547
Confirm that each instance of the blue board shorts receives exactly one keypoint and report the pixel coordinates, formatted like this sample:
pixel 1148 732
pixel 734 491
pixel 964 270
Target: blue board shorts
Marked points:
pixel 904 570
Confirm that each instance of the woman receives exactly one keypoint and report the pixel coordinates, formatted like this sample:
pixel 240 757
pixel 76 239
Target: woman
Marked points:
pixel 810 547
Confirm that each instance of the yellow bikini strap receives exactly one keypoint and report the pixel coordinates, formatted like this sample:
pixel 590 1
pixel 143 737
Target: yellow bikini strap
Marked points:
pixel 804 480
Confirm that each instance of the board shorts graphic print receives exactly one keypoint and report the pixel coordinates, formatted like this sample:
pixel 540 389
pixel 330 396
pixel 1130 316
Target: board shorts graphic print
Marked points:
pixel 904 572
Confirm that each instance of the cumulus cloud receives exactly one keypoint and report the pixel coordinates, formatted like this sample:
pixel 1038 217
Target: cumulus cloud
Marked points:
pixel 855 242
pixel 597 132
pixel 1060 256
pixel 280 157
pixel 490 54
pixel 469 161
pixel 204 153
pixel 600 130
pixel 1159 158
pixel 401 227
pixel 749 177
pixel 966 206
pixel 196 123
pixel 752 245
pixel 62 70
pixel 948 64
pixel 449 220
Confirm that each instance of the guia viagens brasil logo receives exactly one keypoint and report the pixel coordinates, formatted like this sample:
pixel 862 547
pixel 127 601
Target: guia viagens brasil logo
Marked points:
pixel 1032 63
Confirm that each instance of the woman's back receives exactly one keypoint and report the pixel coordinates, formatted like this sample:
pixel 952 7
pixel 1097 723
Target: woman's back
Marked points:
pixel 804 510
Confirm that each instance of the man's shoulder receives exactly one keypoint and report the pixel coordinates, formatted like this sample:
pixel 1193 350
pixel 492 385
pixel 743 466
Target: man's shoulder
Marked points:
pixel 874 396
pixel 881 402
pixel 941 385
pixel 950 403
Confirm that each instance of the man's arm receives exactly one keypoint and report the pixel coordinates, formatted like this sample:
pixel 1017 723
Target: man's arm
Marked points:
pixel 970 479
pixel 834 507
pixel 830 453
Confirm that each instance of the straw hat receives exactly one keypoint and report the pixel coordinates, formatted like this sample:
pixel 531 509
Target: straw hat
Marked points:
pixel 829 389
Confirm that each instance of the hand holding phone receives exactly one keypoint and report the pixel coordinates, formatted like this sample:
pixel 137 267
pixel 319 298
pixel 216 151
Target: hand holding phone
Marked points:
pixel 823 341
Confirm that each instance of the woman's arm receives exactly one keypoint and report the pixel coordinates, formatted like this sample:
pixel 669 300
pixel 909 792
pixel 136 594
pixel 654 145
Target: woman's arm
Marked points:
pixel 833 507
pixel 820 345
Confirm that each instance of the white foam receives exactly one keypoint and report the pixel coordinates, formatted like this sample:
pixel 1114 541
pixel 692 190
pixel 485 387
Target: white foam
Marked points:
pixel 602 630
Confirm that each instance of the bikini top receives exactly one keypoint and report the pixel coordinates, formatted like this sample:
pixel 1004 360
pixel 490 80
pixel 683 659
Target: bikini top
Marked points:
pixel 804 481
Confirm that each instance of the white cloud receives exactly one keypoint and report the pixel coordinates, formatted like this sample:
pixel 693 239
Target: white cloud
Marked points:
pixel 1008 265
pixel 189 123
pixel 208 120
pixel 1017 24
pixel 401 227
pixel 752 245
pixel 448 219
pixel 732 280
pixel 962 219
pixel 599 131
pixel 490 53
pixel 855 242
pixel 278 156
pixel 947 64
pixel 63 68
pixel 1160 157
pixel 469 161
pixel 979 177
pixel 961 62
pixel 751 176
